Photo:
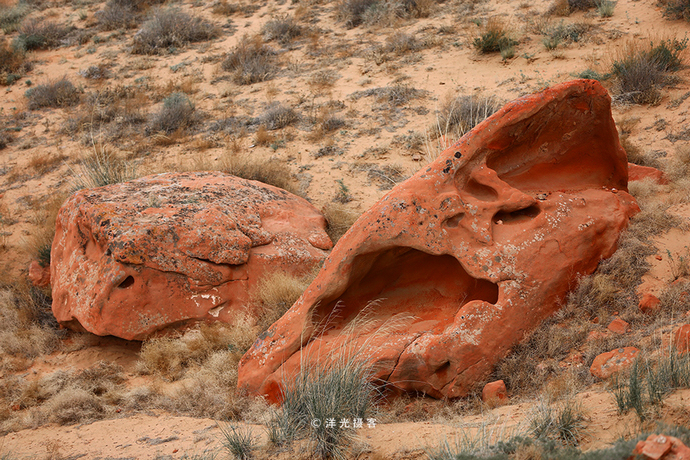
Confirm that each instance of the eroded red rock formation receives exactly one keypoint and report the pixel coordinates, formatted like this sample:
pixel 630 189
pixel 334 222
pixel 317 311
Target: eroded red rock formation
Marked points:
pixel 467 256
pixel 133 258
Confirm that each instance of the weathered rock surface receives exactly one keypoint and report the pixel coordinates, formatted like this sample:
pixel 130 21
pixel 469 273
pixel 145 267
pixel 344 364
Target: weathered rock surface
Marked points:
pixel 133 258
pixel 607 364
pixel 661 447
pixel 681 338
pixel 649 303
pixel 618 326
pixel 466 257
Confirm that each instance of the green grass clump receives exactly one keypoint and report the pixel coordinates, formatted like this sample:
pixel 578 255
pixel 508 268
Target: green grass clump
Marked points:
pixel 239 442
pixel 494 38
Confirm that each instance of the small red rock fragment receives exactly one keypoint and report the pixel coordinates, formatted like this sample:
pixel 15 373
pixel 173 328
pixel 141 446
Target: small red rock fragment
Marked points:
pixel 494 391
pixel 637 172
pixel 649 303
pixel 618 326
pixel 39 275
pixel 660 447
pixel 681 338
pixel 607 364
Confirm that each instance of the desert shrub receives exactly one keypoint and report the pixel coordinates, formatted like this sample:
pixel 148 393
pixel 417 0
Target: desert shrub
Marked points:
pixel 11 59
pixel 641 71
pixel 177 112
pixel 278 116
pixel 11 16
pixel 101 167
pixel 35 34
pixel 251 61
pixel 582 5
pixel 677 9
pixel 171 28
pixel 283 29
pixel 123 13
pixel 339 219
pixel 494 37
pixel 352 12
pixel 275 293
pixel 460 114
pixel 27 327
pixel 605 7
pixel 59 93
pixel 401 43
pixel 269 172
pixel 394 95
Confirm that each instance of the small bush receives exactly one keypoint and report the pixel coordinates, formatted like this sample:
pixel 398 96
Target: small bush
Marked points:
pixel 170 29
pixel 283 29
pixel 352 12
pixel 641 71
pixel 277 116
pixel 251 61
pixel 11 59
pixel 37 35
pixel 11 16
pixel 605 8
pixel 677 9
pixel 494 38
pixel 60 93
pixel 581 5
pixel 177 113
pixel 123 13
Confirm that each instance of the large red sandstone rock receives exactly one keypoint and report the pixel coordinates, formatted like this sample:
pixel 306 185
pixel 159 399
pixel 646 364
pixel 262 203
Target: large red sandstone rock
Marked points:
pixel 133 258
pixel 660 447
pixel 607 364
pixel 466 257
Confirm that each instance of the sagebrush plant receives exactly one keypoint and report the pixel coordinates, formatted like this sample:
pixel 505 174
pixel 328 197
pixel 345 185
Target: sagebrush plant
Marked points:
pixel 251 61
pixel 59 93
pixel 12 60
pixel 605 7
pixel 278 116
pixel 170 29
pixel 352 12
pixel 677 9
pixel 123 13
pixel 177 113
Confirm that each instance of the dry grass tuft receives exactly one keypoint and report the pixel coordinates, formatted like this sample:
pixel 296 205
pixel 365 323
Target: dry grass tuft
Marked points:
pixel 269 172
pixel 170 29
pixel 278 116
pixel 275 293
pixel 12 61
pixel 339 219
pixel 459 115
pixel 176 114
pixel 251 61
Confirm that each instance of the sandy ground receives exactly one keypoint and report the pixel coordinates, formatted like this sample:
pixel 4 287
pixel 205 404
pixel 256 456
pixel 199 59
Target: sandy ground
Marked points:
pixel 446 67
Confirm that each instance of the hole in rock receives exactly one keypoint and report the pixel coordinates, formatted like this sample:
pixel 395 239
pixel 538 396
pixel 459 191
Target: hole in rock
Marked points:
pixel 455 220
pixel 516 217
pixel 480 191
pixel 127 282
pixel 428 289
